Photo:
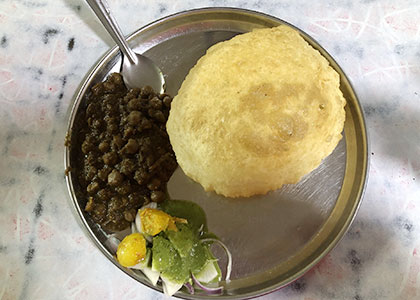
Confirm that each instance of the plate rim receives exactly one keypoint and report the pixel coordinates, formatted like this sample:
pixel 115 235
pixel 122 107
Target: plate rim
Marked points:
pixel 113 53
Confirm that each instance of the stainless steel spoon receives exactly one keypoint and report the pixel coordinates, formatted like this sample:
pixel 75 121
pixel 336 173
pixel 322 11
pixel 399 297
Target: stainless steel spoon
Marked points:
pixel 137 70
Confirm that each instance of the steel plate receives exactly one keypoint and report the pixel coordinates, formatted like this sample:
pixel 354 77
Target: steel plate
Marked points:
pixel 276 238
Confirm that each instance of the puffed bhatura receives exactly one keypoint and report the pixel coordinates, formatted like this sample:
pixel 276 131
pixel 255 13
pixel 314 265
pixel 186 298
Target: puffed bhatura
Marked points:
pixel 256 112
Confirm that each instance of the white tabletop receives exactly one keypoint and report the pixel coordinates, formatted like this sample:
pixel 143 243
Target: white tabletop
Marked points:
pixel 47 47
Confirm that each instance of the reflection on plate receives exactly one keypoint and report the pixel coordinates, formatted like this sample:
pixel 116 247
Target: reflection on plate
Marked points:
pixel 274 238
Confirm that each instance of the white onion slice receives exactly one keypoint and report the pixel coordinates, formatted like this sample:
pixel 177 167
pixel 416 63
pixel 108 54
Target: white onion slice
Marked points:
pixel 134 227
pixel 229 256
pixel 112 243
pixel 153 276
pixel 138 222
pixel 150 205
pixel 208 272
pixel 169 287
pixel 206 289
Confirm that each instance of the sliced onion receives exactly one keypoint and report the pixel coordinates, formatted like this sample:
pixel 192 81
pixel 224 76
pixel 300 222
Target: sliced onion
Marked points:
pixel 150 205
pixel 134 227
pixel 153 276
pixel 112 243
pixel 189 287
pixel 138 222
pixel 170 288
pixel 228 254
pixel 208 290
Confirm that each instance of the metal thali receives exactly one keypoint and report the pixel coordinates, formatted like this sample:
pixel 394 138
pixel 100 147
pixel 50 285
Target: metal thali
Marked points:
pixel 274 239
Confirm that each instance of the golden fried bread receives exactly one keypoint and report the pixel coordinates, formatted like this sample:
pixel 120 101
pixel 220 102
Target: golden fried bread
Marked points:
pixel 256 112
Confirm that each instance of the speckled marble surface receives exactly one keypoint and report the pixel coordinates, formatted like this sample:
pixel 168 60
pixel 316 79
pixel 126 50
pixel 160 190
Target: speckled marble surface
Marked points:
pixel 46 48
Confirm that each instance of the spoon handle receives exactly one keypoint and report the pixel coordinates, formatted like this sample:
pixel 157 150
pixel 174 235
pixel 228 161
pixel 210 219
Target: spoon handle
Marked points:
pixel 102 11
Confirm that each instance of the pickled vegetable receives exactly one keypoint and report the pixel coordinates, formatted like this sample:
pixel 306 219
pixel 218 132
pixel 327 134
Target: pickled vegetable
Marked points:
pixel 131 250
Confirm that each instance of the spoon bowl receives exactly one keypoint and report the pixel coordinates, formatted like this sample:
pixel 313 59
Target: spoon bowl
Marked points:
pixel 137 70
pixel 142 72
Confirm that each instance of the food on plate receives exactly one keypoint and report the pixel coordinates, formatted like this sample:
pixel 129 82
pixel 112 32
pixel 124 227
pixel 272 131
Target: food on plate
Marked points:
pixel 125 162
pixel 170 241
pixel 155 221
pixel 256 112
pixel 131 250
pixel 125 156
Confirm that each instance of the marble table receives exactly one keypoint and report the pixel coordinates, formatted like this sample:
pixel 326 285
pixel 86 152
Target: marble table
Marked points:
pixel 46 48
